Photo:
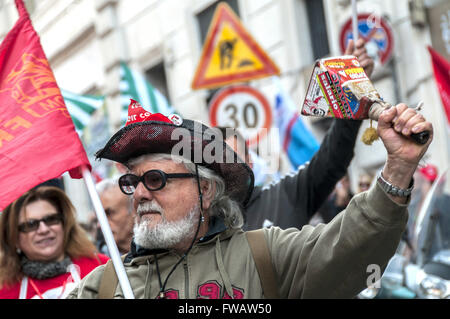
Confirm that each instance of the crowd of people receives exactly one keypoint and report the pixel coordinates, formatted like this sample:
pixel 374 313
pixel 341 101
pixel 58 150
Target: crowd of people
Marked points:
pixel 193 228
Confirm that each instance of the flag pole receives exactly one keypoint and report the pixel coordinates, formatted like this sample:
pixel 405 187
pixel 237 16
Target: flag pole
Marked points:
pixel 355 21
pixel 107 233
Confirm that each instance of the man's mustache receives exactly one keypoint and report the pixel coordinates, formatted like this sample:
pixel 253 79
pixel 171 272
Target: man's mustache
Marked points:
pixel 149 207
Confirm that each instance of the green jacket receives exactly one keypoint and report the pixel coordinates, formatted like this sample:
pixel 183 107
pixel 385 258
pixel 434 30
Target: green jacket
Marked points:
pixel 326 261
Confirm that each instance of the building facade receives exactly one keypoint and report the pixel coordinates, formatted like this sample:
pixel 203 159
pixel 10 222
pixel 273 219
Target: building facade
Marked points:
pixel 85 40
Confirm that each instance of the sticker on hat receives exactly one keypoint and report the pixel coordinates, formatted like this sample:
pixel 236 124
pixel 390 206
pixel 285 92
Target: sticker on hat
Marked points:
pixel 429 171
pixel 137 114
pixel 176 119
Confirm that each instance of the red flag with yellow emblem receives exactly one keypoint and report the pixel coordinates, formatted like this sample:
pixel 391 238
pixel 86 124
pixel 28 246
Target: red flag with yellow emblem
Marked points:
pixel 38 141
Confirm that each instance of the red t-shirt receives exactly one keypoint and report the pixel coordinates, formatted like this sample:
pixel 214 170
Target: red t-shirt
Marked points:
pixel 57 286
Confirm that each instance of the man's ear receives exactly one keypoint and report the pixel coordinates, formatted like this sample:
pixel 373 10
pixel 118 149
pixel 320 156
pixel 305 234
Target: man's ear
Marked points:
pixel 208 192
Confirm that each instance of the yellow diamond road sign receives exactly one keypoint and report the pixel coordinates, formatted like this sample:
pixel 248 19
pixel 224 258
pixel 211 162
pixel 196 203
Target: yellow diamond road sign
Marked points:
pixel 230 54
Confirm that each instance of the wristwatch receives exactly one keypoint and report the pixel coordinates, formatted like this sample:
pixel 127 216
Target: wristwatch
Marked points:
pixel 394 190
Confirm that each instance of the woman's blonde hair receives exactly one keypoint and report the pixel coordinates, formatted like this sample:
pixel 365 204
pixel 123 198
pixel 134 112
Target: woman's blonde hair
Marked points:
pixel 76 242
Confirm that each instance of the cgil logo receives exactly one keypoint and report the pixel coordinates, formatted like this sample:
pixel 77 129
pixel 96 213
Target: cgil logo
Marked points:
pixel 33 88
pixel 32 85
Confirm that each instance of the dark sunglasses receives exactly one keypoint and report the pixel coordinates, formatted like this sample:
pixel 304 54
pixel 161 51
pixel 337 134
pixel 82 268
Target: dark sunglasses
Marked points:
pixel 33 224
pixel 153 180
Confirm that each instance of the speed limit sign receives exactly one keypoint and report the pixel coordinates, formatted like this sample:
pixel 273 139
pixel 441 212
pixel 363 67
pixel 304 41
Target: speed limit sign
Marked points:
pixel 244 108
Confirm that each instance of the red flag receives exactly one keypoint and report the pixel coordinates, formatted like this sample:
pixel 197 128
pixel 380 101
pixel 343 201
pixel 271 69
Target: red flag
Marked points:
pixel 38 141
pixel 441 68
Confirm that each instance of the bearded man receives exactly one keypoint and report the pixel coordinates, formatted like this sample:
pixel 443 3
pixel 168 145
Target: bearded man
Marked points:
pixel 188 241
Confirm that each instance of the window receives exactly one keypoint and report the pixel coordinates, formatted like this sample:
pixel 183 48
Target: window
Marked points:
pixel 31 6
pixel 204 19
pixel 157 77
pixel 317 28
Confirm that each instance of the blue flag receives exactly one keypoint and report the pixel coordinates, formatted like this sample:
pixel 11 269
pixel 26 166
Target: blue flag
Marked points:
pixel 295 138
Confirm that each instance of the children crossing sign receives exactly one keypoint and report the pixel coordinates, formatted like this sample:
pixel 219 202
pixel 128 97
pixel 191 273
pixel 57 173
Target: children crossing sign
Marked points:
pixel 230 54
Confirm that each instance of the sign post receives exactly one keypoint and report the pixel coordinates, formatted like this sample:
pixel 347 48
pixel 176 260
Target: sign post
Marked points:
pixel 355 21
pixel 375 31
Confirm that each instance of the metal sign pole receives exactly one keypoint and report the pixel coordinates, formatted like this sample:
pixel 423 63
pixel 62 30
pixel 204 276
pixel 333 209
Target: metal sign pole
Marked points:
pixel 355 21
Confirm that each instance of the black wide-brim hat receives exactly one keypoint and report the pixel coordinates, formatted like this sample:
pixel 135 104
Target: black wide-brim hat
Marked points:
pixel 189 139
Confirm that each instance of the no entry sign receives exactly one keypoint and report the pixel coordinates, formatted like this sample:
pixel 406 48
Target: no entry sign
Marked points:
pixel 375 31
pixel 244 108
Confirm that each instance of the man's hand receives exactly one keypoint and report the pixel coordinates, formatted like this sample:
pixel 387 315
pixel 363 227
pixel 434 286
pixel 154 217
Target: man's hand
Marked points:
pixel 395 126
pixel 360 52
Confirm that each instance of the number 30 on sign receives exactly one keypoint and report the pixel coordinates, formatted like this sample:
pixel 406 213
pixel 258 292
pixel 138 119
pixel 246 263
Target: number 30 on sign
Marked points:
pixel 244 108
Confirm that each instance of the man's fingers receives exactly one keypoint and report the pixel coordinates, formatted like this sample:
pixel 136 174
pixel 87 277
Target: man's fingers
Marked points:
pixel 357 49
pixel 386 117
pixel 360 43
pixel 365 60
pixel 404 115
pixel 401 107
pixel 359 52
pixel 422 127
pixel 392 115
pixel 404 120
pixel 412 123
pixel 350 48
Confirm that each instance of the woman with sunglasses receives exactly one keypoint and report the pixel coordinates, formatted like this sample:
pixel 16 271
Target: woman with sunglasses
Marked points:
pixel 44 253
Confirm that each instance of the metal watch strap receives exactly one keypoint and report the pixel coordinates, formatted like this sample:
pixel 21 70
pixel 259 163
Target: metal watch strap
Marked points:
pixel 394 190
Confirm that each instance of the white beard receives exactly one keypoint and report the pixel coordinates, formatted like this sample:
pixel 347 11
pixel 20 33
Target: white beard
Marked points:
pixel 164 235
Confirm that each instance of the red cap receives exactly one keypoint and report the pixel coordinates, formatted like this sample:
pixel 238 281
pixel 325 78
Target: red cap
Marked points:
pixel 429 171
pixel 136 114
